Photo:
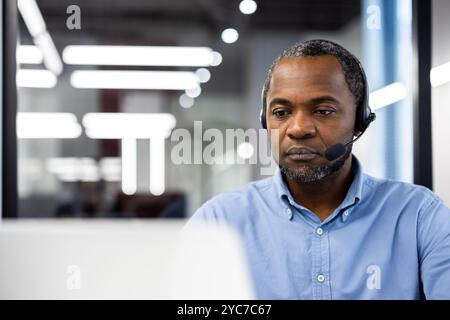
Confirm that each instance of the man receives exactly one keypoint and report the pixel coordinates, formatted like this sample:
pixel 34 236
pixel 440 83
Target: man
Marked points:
pixel 320 228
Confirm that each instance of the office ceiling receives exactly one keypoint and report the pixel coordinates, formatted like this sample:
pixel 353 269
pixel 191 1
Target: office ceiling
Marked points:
pixel 191 23
pixel 137 17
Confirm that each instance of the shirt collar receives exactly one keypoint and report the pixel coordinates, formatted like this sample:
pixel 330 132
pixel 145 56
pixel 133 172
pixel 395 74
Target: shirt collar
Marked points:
pixel 353 196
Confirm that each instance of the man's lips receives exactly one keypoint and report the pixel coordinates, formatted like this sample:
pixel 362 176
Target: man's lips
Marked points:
pixel 301 153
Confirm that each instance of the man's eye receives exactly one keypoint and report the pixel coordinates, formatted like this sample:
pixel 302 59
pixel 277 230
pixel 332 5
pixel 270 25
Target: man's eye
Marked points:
pixel 324 112
pixel 280 113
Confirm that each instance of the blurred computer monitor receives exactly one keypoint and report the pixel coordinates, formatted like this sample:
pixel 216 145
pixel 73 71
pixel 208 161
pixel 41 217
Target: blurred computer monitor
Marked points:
pixel 135 259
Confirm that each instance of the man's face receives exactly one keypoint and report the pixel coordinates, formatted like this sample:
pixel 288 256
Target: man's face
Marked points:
pixel 309 102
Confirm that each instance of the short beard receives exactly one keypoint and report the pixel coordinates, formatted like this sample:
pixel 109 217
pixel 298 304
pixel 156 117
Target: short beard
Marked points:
pixel 314 175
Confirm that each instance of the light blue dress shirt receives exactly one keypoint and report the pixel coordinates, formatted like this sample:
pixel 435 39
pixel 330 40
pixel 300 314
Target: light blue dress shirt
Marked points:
pixel 387 240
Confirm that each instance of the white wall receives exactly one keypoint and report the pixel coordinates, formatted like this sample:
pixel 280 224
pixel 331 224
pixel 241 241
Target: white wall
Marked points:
pixel 441 101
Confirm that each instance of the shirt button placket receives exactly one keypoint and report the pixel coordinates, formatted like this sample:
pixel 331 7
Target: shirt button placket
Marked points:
pixel 321 268
pixel 317 263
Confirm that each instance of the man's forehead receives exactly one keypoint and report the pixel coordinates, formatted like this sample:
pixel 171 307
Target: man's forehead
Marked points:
pixel 309 77
pixel 325 65
pixel 324 70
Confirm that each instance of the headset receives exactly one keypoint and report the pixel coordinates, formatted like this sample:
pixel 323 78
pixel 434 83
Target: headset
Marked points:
pixel 364 115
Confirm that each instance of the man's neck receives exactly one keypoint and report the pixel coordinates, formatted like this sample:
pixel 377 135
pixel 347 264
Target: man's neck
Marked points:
pixel 324 197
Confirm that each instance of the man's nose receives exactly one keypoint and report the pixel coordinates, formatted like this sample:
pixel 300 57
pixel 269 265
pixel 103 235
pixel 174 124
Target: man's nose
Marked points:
pixel 301 126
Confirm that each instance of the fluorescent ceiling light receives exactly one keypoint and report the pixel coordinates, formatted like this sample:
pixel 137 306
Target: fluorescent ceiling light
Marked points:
pixel 440 75
pixel 217 59
pixel 32 17
pixel 33 78
pixel 36 26
pixel 40 125
pixel 230 35
pixel 245 150
pixel 157 166
pixel 110 168
pixel 186 101
pixel 128 125
pixel 29 54
pixel 194 93
pixel 85 169
pixel 150 80
pixel 74 169
pixel 139 56
pixel 248 6
pixel 51 57
pixel 387 95
pixel 203 75
pixel 31 168
pixel 129 166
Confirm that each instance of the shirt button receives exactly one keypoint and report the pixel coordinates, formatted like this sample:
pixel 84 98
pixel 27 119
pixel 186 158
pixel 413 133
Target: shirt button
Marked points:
pixel 289 213
pixel 321 278
pixel 319 231
pixel 345 213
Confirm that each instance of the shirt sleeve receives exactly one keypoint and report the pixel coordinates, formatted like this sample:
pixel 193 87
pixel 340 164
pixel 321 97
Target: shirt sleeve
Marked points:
pixel 205 215
pixel 433 235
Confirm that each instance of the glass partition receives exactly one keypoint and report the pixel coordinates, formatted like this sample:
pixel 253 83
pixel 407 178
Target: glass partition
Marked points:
pixel 124 106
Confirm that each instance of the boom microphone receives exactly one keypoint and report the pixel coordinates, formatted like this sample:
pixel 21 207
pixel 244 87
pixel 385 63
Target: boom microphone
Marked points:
pixel 338 150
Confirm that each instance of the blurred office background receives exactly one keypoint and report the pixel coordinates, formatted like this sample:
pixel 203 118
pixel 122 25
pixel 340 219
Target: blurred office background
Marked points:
pixel 66 169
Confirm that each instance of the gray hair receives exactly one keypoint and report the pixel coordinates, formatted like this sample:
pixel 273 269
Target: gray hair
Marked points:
pixel 351 67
